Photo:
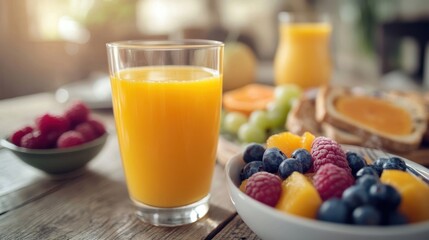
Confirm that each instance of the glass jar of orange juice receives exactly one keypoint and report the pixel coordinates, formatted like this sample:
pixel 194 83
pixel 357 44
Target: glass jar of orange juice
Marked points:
pixel 303 54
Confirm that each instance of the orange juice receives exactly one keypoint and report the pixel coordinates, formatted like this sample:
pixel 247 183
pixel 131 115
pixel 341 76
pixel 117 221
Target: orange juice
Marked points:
pixel 168 131
pixel 303 55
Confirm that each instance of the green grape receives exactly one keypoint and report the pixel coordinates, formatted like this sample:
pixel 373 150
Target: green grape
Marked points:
pixel 279 106
pixel 277 119
pixel 260 119
pixel 249 133
pixel 277 114
pixel 285 93
pixel 233 121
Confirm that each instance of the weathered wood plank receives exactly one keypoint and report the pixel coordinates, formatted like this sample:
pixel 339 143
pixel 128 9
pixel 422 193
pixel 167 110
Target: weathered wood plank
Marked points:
pixel 20 183
pixel 96 206
pixel 236 229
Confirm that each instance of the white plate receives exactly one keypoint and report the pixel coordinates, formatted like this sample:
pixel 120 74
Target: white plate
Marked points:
pixel 271 224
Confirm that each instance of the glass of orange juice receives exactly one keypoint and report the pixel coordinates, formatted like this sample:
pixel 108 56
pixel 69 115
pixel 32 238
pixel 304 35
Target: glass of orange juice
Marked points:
pixel 303 53
pixel 167 103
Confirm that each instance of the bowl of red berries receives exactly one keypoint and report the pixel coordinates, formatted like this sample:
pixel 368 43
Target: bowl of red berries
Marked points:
pixel 59 143
pixel 307 187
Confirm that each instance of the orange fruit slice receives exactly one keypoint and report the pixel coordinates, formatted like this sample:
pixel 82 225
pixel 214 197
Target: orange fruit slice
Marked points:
pixel 249 98
pixel 243 185
pixel 307 140
pixel 414 193
pixel 288 142
pixel 299 197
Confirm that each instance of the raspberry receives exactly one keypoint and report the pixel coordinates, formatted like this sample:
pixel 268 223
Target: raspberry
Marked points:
pixel 34 140
pixel 49 123
pixel 97 126
pixel 264 187
pixel 70 139
pixel 87 131
pixel 77 113
pixel 16 137
pixel 331 181
pixel 325 150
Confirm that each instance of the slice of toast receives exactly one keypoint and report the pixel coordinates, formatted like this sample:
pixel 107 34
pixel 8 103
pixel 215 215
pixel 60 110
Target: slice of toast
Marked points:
pixel 301 117
pixel 341 136
pixel 339 123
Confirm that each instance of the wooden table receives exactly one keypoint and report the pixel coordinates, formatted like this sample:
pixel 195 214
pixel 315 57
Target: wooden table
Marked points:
pixel 94 205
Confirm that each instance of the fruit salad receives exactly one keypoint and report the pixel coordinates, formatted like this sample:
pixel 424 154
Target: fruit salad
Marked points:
pixel 74 127
pixel 313 177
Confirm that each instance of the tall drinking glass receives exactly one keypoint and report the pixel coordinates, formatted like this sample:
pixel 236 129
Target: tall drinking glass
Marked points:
pixel 167 104
pixel 303 53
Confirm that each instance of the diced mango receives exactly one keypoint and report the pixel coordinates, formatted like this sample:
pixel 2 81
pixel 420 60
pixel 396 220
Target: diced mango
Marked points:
pixel 307 140
pixel 414 192
pixel 299 197
pixel 288 142
pixel 243 185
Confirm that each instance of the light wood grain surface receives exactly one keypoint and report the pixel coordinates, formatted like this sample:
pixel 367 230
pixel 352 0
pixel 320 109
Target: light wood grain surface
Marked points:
pixel 95 204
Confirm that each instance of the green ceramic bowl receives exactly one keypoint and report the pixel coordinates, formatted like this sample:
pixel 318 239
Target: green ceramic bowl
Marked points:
pixel 58 161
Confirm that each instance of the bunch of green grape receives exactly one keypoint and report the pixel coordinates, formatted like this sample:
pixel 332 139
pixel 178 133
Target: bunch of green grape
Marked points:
pixel 261 124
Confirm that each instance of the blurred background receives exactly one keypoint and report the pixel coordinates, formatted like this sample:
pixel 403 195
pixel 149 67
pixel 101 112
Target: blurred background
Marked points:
pixel 46 44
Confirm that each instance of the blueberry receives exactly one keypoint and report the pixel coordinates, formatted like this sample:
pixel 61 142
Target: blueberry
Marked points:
pixel 355 196
pixel 367 170
pixel 272 158
pixel 355 161
pixel 396 218
pixel 288 166
pixel 384 196
pixel 253 152
pixel 366 181
pixel 251 168
pixel 379 171
pixel 380 161
pixel 378 165
pixel 304 157
pixel 395 163
pixel 334 210
pixel 366 215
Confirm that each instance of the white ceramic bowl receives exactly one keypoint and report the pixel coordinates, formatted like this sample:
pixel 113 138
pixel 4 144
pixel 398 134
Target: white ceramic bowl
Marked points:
pixel 270 224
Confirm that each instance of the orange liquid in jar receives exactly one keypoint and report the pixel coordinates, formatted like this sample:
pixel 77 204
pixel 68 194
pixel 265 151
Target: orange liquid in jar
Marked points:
pixel 167 119
pixel 302 55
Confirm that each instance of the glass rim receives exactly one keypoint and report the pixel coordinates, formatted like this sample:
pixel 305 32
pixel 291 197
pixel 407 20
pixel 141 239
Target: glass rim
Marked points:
pixel 165 44
pixel 303 17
